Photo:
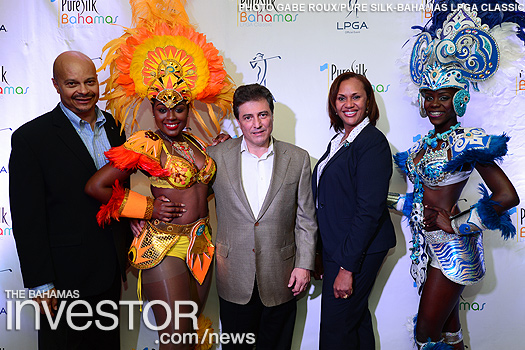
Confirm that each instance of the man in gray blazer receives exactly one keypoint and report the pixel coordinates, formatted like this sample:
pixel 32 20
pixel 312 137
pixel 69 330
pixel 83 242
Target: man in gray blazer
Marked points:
pixel 267 230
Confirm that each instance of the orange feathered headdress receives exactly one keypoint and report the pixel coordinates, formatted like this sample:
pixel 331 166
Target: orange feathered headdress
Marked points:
pixel 164 58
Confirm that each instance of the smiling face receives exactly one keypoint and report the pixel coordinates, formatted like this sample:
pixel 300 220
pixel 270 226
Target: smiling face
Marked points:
pixel 439 107
pixel 256 123
pixel 351 103
pixel 75 79
pixel 170 121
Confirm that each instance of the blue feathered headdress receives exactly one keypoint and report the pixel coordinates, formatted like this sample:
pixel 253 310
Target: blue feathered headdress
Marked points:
pixel 487 11
pixel 456 42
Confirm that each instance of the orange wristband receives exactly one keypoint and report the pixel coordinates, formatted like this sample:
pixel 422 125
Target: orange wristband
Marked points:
pixel 136 206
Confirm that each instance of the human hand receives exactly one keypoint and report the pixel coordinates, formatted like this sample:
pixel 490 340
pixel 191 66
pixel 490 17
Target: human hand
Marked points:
pixel 47 300
pixel 166 210
pixel 343 284
pixel 220 138
pixel 299 280
pixel 136 226
pixel 437 219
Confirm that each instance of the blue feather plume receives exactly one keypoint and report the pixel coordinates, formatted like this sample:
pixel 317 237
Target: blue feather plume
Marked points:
pixel 400 159
pixel 407 206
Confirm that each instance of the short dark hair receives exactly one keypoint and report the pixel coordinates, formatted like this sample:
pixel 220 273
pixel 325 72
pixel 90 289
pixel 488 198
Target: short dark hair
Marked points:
pixel 251 92
pixel 373 110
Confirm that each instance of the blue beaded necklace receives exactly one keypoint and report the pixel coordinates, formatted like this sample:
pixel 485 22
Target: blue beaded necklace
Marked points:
pixel 431 141
pixel 417 204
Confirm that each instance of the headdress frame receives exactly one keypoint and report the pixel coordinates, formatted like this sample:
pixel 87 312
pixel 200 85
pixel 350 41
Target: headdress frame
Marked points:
pixel 463 51
pixel 164 58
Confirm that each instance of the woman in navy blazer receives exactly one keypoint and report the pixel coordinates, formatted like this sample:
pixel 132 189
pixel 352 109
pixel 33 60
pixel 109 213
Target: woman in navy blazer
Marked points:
pixel 350 185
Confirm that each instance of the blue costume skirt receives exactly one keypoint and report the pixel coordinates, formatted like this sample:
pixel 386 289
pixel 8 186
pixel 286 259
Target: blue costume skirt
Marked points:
pixel 460 258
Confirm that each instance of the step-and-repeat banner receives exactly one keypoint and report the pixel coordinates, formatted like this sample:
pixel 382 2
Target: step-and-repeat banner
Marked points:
pixel 296 49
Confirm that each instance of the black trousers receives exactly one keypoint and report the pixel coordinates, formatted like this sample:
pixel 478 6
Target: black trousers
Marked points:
pixel 64 337
pixel 347 323
pixel 272 326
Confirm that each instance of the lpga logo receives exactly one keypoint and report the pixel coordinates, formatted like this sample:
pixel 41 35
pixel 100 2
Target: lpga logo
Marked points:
pixel 260 63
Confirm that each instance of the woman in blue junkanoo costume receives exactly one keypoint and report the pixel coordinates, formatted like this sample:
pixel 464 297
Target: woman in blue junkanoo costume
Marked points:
pixel 444 63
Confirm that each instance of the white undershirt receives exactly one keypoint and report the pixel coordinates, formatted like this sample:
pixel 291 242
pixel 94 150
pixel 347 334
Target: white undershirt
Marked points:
pixel 256 175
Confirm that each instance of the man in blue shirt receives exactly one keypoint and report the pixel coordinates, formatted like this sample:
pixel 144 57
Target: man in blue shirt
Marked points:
pixel 61 248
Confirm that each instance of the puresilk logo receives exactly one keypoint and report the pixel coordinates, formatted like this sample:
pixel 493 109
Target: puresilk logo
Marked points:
pixel 6 88
pixel 474 306
pixel 334 71
pixel 5 227
pixel 359 68
pixel 82 12
pixel 520 224
pixel 520 82
pixel 264 13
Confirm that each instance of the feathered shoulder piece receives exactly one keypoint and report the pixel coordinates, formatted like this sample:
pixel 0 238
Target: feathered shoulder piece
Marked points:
pixel 164 58
pixel 140 151
pixel 473 145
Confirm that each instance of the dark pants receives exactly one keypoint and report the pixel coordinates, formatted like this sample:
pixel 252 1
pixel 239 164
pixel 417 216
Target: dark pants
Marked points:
pixel 347 323
pixel 66 338
pixel 272 326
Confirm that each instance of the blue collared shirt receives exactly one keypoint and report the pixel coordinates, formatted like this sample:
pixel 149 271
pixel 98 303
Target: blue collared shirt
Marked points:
pixel 96 140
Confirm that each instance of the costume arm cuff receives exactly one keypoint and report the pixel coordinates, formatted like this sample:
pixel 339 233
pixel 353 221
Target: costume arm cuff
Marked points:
pixel 467 222
pixel 484 216
pixel 125 203
pixel 490 217
pixel 400 202
pixel 135 205
pixel 395 201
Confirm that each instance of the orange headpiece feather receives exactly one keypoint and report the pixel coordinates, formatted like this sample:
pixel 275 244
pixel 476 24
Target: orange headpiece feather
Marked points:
pixel 164 58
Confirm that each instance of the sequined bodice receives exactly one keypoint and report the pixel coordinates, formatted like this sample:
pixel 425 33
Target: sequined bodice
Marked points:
pixel 430 168
pixel 184 173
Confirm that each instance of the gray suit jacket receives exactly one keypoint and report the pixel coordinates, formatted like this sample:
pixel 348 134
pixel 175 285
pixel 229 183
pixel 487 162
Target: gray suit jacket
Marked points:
pixel 270 246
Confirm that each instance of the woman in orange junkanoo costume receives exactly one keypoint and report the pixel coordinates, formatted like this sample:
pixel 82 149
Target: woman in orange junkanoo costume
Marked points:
pixel 165 60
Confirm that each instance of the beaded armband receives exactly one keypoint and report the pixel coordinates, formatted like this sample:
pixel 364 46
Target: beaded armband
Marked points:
pixel 125 203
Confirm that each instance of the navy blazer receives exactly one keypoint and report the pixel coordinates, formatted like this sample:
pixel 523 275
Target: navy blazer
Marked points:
pixel 54 221
pixel 351 200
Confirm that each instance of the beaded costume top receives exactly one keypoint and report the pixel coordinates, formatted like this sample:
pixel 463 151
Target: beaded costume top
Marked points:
pixel 435 169
pixel 466 146
pixel 143 149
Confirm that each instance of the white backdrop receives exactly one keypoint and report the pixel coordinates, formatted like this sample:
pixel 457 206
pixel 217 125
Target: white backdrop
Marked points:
pixel 296 56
